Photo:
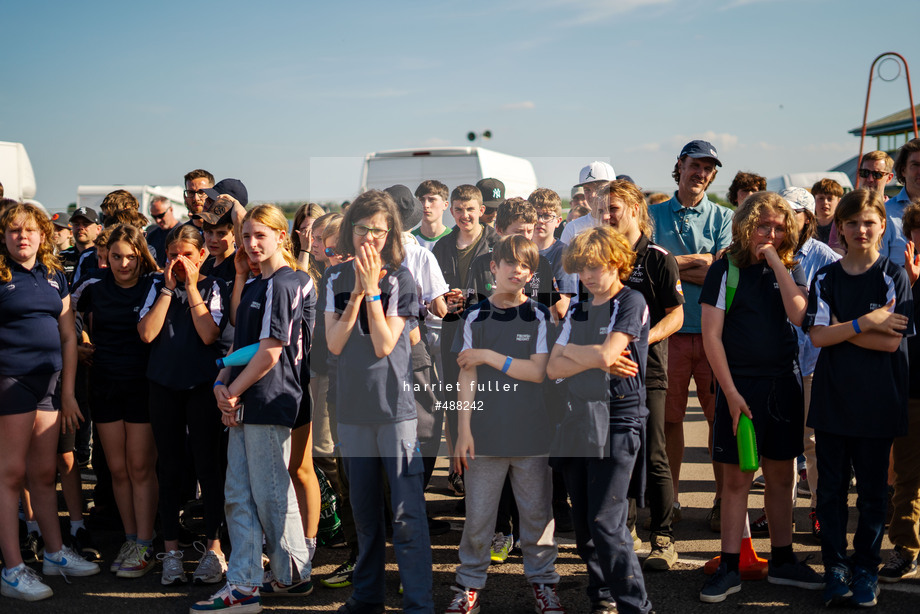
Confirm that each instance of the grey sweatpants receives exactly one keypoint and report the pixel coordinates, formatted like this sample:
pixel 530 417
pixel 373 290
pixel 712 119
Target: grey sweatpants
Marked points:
pixel 532 483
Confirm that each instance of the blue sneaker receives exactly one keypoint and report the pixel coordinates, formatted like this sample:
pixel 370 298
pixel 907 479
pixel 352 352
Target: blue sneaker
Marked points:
pixel 720 585
pixel 837 586
pixel 865 588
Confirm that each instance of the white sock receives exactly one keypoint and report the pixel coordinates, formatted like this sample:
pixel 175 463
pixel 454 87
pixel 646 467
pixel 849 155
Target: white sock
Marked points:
pixel 54 556
pixel 8 571
pixel 32 527
pixel 76 525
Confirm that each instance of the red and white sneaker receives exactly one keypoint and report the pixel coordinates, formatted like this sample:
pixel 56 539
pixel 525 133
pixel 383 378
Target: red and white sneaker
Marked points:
pixel 466 601
pixel 547 599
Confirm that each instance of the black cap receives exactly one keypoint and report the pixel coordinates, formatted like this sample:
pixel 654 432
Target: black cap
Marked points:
pixel 86 213
pixel 409 207
pixel 233 187
pixel 493 192
pixel 700 149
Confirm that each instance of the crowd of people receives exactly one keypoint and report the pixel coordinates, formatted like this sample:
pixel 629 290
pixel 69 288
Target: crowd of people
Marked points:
pixel 240 362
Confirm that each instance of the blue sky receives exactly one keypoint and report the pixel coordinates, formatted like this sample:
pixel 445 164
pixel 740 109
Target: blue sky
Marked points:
pixel 288 96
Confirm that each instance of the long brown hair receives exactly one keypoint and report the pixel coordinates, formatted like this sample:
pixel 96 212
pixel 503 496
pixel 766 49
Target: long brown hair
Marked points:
pixel 25 214
pixel 135 238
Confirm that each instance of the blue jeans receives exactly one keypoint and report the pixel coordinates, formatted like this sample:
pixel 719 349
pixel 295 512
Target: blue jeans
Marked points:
pixel 393 448
pixel 259 498
pixel 598 489
pixel 869 459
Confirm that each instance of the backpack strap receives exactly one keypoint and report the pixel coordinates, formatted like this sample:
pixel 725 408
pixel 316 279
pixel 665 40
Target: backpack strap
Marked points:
pixel 731 284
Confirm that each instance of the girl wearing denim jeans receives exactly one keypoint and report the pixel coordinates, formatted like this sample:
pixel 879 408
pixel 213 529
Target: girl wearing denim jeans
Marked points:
pixel 371 303
pixel 259 404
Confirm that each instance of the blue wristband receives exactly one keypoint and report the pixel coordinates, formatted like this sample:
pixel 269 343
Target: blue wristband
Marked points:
pixel 507 364
pixel 218 383
pixel 856 326
pixel 371 299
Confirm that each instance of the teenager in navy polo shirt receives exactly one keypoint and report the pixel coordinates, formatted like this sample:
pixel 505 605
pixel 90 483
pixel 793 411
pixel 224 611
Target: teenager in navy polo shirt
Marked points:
pixel 599 441
pixel 39 342
pixel 110 300
pixel 183 320
pixel 371 303
pixel 259 403
pixel 860 313
pixel 753 349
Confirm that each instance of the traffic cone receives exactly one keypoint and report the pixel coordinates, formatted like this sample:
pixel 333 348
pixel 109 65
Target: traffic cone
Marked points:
pixel 751 566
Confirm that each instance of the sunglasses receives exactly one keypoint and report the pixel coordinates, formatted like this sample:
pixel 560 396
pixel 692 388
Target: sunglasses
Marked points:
pixel 330 252
pixel 158 216
pixel 865 173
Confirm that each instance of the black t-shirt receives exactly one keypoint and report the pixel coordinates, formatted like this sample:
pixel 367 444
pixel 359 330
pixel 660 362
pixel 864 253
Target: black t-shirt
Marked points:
pixel 30 305
pixel 758 338
pixel 68 259
pixel 307 322
pixel 481 282
pixel 272 309
pixel 656 275
pixel 855 391
pixel 226 270
pixel 588 324
pixel 87 264
pixel 156 239
pixel 111 314
pixel 373 390
pixel 179 359
pixel 511 417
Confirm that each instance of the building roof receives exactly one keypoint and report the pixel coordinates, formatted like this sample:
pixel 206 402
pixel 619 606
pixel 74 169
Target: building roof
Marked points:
pixel 896 123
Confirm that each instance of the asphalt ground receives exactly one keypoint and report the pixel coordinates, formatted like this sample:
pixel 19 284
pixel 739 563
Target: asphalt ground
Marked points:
pixel 507 591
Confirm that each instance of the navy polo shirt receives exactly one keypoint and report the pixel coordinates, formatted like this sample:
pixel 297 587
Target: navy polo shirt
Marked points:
pixel 566 283
pixel 271 309
pixel 87 264
pixel 307 322
pixel 111 314
pixel 858 392
pixel 481 282
pixel 179 359
pixel 588 324
pixel 226 270
pixel 371 390
pixel 759 339
pixel 30 305
pixel 511 417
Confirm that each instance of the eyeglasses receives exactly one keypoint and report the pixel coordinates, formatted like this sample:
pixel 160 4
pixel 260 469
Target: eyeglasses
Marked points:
pixel 376 233
pixel 330 252
pixel 546 217
pixel 194 193
pixel 865 173
pixel 159 216
pixel 766 230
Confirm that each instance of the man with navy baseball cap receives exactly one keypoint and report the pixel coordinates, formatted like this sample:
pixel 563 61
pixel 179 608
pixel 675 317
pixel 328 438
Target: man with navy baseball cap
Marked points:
pixel 695 230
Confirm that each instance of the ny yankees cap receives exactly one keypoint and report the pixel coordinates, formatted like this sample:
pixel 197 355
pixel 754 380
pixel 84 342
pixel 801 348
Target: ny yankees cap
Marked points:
pixel 700 149
pixel 85 213
pixel 596 171
pixel 493 192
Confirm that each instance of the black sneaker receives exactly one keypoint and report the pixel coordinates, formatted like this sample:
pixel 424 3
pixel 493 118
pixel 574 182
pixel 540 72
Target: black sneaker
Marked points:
pixel 437 527
pixel 720 585
pixel 31 548
pixel 761 527
pixel 455 483
pixel 83 544
pixel 341 577
pixel 900 565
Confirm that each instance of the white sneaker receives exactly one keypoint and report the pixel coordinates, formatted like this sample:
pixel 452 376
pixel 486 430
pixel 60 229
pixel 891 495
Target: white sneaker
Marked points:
pixel 123 552
pixel 211 567
pixel 67 563
pixel 22 582
pixel 172 568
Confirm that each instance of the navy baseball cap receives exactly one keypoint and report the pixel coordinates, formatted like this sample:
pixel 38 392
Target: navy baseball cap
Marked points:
pixel 233 187
pixel 700 149
pixel 85 213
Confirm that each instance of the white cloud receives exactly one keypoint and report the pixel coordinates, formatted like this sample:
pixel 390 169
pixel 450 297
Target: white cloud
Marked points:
pixel 517 106
pixel 594 11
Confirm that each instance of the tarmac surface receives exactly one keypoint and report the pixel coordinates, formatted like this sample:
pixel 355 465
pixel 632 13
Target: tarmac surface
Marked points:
pixel 507 591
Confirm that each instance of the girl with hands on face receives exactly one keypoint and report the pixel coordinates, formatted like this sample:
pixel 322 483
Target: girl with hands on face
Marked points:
pixel 751 299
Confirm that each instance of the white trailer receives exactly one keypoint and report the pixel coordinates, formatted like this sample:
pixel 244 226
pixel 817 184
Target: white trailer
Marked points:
pixel 16 173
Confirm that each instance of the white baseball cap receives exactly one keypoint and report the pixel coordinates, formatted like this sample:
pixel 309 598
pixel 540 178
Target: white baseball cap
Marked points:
pixel 596 171
pixel 799 199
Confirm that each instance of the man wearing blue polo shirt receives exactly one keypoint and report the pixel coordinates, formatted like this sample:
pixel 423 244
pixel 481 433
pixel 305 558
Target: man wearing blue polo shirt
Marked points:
pixel 695 230
pixel 907 170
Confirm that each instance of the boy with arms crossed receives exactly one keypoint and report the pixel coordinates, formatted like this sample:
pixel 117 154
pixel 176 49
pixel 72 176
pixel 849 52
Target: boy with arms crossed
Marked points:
pixel 504 429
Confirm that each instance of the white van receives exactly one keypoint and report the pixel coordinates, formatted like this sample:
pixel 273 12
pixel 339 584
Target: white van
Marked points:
pixel 16 173
pixel 806 180
pixel 452 166
pixel 92 196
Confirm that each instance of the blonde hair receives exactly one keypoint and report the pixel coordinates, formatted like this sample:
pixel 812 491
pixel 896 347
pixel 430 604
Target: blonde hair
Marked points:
pixel 271 216
pixel 27 213
pixel 744 225
pixel 600 246
pixel 630 194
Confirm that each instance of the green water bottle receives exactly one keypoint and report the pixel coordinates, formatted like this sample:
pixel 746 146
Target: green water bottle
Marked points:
pixel 747 445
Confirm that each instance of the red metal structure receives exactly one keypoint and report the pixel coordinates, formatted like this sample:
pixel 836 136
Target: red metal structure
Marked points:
pixel 910 94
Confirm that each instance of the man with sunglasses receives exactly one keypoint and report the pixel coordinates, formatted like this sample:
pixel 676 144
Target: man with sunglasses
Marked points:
pixel 196 182
pixel 162 214
pixel 877 163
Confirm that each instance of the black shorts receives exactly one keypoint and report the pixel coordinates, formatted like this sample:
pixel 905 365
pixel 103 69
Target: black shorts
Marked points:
pixel 112 400
pixel 305 411
pixel 778 411
pixel 20 394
